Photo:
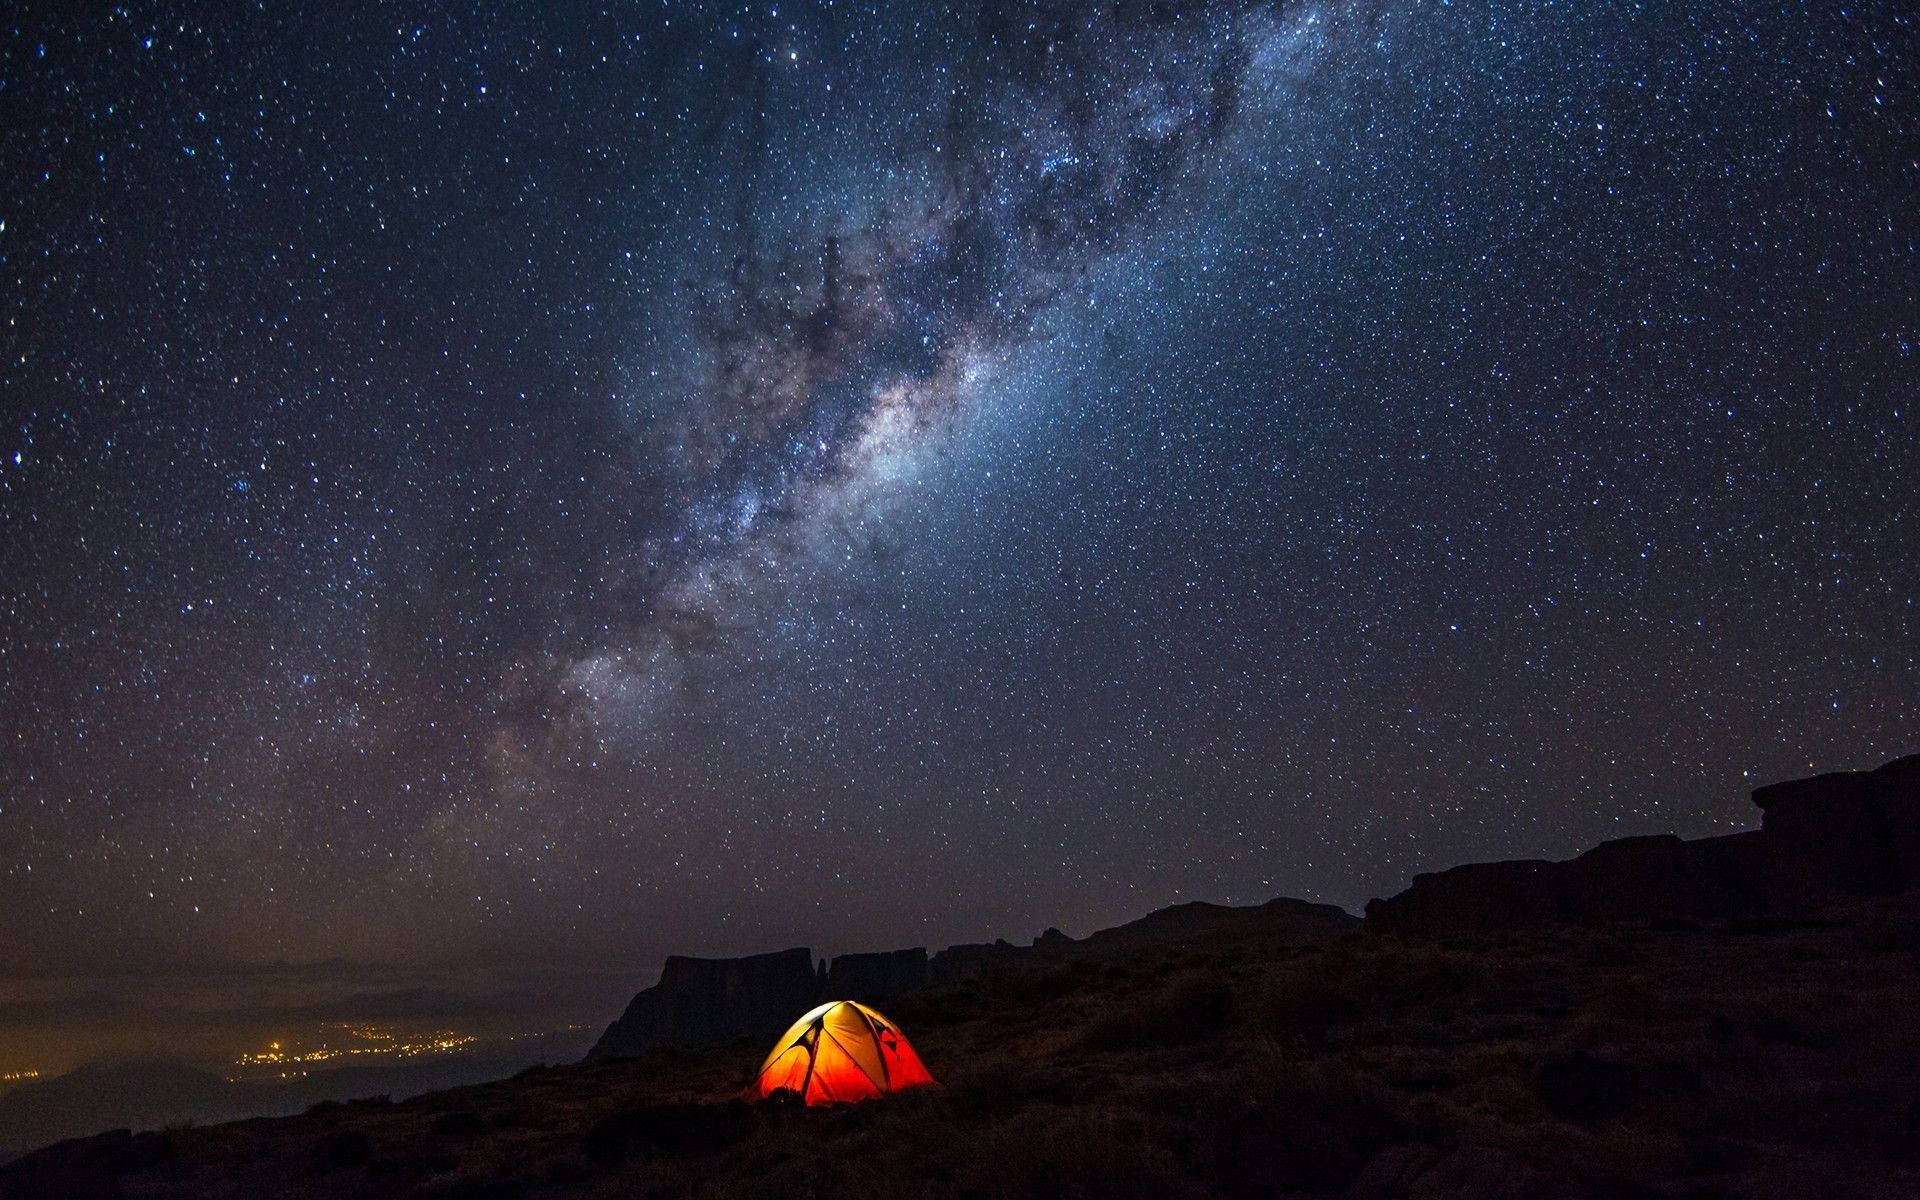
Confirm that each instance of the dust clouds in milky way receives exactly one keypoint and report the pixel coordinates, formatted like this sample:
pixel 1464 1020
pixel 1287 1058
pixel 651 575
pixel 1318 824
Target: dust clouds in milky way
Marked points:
pixel 827 369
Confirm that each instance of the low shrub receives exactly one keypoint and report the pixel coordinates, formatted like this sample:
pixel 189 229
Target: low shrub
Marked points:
pixel 343 1148
pixel 1192 1009
pixel 667 1130
pixel 458 1123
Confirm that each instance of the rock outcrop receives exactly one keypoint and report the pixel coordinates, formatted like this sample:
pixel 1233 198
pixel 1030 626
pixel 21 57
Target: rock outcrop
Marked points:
pixel 1198 927
pixel 872 977
pixel 1844 834
pixel 1210 928
pixel 1852 831
pixel 711 1001
pixel 703 1002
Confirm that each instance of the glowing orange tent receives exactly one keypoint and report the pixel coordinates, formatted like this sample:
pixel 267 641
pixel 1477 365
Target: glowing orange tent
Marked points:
pixel 841 1051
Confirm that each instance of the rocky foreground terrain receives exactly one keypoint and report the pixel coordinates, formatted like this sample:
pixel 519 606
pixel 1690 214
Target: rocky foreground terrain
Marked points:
pixel 1573 1034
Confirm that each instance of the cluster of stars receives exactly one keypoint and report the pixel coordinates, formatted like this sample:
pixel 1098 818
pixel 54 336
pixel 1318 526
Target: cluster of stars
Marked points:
pixel 596 484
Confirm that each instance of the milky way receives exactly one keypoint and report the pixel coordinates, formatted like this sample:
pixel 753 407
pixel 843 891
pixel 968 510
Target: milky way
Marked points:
pixel 485 487
pixel 830 356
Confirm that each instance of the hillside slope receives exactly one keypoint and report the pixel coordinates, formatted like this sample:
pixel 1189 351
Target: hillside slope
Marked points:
pixel 1731 1017
pixel 1765 1060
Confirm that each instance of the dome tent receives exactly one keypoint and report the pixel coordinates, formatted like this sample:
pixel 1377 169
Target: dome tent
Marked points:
pixel 841 1051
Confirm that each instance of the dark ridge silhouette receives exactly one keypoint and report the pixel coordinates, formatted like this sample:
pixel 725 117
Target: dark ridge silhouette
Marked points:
pixel 1196 926
pixel 869 977
pixel 705 1002
pixel 1851 833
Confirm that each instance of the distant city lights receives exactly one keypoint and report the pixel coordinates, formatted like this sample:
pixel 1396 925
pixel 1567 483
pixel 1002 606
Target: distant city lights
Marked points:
pixel 364 1041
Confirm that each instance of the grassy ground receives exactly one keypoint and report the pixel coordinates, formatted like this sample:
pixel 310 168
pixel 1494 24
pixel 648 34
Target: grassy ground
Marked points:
pixel 1764 1061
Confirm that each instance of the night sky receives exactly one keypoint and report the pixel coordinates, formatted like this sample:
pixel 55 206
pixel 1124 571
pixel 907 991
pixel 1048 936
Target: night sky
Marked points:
pixel 560 485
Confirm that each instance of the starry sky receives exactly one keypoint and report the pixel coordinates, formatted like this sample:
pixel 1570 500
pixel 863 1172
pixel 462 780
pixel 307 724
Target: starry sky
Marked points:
pixel 556 485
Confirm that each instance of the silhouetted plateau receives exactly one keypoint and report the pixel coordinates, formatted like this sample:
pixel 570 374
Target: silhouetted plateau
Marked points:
pixel 704 1002
pixel 1844 834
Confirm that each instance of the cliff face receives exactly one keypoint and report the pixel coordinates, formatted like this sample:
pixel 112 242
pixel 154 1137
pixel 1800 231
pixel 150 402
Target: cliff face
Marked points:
pixel 870 977
pixel 973 959
pixel 1845 834
pixel 1856 832
pixel 702 1002
pixel 1848 834
pixel 711 1001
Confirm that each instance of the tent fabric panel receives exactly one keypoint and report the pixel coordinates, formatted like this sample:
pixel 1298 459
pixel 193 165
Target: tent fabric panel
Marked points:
pixel 904 1068
pixel 849 1027
pixel 837 1077
pixel 787 1069
pixel 795 1032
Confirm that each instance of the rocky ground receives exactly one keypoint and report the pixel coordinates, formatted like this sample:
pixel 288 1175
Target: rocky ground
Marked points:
pixel 1764 1058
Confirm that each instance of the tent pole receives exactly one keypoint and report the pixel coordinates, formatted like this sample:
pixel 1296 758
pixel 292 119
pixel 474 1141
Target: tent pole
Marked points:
pixel 813 1054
